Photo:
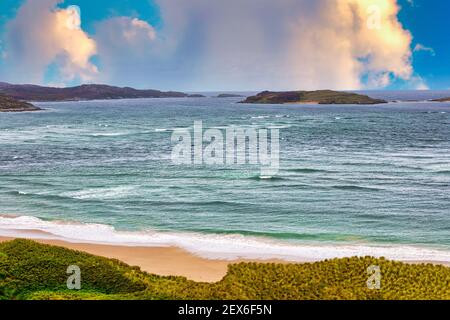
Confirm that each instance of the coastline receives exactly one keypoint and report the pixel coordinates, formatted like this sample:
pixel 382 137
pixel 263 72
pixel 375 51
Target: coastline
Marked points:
pixel 167 260
pixel 163 261
pixel 202 258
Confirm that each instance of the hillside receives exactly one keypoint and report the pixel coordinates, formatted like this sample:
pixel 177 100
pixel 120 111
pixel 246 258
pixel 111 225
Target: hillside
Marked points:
pixel 84 92
pixel 8 104
pixel 312 97
pixel 29 270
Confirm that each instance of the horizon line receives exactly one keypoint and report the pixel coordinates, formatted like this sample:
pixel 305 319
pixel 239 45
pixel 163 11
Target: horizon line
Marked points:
pixel 213 91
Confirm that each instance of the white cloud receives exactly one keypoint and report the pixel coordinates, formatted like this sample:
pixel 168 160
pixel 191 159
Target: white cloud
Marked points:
pixel 125 31
pixel 221 45
pixel 288 44
pixel 420 47
pixel 41 35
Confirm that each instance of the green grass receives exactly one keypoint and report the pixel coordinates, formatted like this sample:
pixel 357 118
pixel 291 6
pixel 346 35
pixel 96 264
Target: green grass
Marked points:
pixel 319 96
pixel 29 270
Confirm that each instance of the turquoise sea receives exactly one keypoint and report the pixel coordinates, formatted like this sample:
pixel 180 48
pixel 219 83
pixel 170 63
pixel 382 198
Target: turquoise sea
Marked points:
pixel 353 179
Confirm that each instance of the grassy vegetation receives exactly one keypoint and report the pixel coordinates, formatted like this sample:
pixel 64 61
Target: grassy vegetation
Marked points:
pixel 29 270
pixel 320 97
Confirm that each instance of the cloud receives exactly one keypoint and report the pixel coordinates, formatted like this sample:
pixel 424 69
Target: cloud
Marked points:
pixel 287 44
pixel 42 35
pixel 420 47
pixel 125 32
pixel 347 41
pixel 221 45
pixel 125 45
pixel 417 83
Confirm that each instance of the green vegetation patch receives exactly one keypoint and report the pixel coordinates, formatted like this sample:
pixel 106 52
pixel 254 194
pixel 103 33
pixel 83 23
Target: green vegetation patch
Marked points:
pixel 320 97
pixel 29 270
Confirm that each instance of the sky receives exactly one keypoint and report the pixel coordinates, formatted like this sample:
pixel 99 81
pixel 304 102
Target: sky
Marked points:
pixel 227 45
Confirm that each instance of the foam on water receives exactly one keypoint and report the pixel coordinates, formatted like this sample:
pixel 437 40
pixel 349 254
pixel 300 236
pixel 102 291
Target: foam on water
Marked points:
pixel 101 193
pixel 209 246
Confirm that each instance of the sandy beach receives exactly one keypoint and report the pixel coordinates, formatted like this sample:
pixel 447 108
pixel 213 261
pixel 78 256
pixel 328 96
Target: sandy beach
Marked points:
pixel 164 261
pixel 168 261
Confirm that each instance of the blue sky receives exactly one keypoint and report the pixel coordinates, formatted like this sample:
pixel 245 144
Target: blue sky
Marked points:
pixel 225 45
pixel 95 10
pixel 429 24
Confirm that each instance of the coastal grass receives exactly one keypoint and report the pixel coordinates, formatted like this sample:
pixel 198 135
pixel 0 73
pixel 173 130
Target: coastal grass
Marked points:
pixel 29 270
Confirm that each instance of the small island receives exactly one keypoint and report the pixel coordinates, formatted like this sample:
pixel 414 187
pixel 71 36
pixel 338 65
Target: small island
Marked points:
pixel 311 97
pixel 441 100
pixel 8 104
pixel 196 95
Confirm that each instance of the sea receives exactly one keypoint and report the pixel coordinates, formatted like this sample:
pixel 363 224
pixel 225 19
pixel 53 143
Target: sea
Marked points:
pixel 353 180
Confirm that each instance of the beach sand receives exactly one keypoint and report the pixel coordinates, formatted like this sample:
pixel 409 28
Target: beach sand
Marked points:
pixel 164 261
pixel 168 261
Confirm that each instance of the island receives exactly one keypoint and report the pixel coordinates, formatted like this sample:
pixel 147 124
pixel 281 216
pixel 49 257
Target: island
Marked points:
pixel 311 97
pixel 196 95
pixel 8 104
pixel 79 93
pixel 441 100
pixel 229 95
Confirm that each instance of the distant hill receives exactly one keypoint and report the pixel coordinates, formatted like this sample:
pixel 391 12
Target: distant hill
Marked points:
pixel 312 97
pixel 8 104
pixel 84 92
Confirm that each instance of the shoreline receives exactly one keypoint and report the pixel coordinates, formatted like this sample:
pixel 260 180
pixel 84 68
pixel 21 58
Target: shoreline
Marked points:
pixel 162 261
pixel 198 257
pixel 167 261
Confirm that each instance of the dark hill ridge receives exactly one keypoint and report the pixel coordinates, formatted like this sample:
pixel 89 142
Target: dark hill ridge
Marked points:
pixel 442 100
pixel 312 97
pixel 84 92
pixel 8 104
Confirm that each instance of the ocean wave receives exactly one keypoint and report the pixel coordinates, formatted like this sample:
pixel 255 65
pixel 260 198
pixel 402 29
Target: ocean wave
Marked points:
pixel 110 134
pixel 279 127
pixel 267 178
pixel 101 193
pixel 37 195
pixel 260 117
pixel 85 194
pixel 443 172
pixel 355 188
pixel 307 170
pixel 211 246
pixel 282 116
